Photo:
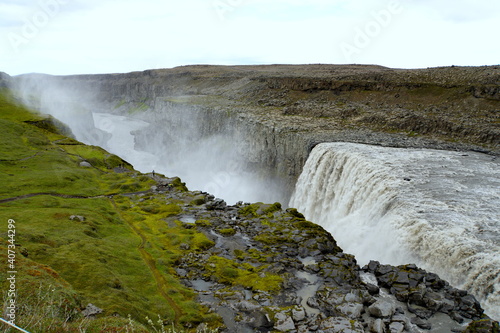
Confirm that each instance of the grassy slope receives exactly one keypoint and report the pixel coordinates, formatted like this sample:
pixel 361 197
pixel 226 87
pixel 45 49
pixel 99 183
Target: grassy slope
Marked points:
pixel 117 258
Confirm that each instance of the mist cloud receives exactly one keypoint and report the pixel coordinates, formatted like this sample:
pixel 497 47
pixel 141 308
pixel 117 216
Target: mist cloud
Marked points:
pixel 172 140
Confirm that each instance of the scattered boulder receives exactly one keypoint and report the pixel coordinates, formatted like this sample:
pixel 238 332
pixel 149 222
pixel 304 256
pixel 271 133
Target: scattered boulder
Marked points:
pixel 382 309
pixel 372 289
pixel 77 218
pixel 91 311
pixel 298 314
pixel 259 320
pixel 377 326
pixel 351 310
pixel 85 164
pixel 216 204
pixel 421 323
pixel 284 323
pixel 341 325
pixel 425 293
pixel 485 325
pixel 396 327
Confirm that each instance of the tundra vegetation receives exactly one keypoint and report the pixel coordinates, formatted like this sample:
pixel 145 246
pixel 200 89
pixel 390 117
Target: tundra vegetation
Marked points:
pixel 88 233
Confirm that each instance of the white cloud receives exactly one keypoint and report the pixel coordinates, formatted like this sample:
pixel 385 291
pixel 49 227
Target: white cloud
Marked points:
pixel 119 36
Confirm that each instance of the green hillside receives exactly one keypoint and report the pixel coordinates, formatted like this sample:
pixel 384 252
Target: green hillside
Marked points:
pixel 88 234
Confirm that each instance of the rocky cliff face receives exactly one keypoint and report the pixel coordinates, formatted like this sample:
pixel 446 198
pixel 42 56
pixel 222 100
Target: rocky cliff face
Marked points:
pixel 4 80
pixel 274 115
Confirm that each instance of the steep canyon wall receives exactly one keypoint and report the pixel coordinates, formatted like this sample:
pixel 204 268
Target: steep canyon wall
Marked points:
pixel 266 119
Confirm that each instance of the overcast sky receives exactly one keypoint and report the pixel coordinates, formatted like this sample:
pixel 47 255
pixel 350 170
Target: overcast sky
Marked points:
pixel 109 36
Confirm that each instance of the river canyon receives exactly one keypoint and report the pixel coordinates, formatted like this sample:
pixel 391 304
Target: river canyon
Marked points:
pixel 400 166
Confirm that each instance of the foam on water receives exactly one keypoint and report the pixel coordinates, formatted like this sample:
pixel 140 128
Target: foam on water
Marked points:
pixel 439 209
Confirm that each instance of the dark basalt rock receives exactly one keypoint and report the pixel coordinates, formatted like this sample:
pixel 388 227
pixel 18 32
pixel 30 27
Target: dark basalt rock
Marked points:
pixel 483 326
pixel 426 293
pixel 269 270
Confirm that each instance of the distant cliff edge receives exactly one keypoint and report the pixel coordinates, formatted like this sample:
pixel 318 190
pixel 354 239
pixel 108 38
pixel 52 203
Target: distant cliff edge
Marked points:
pixel 274 115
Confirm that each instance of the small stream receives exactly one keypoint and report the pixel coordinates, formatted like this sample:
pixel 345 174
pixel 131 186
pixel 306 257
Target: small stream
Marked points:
pixel 308 290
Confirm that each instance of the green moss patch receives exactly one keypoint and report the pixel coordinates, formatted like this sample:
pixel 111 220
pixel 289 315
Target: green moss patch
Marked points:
pixel 229 272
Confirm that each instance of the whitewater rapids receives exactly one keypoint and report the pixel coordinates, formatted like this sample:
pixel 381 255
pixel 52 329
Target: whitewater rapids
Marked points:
pixel 438 209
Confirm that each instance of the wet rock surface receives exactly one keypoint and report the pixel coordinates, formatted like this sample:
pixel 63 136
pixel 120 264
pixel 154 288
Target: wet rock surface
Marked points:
pixel 266 269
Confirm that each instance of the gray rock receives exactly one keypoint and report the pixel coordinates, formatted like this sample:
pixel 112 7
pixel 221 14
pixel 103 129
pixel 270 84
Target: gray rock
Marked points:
pixel 433 300
pixel 217 204
pixel 447 306
pixel 91 311
pixel 421 323
pixel 401 291
pixel 378 326
pixel 334 299
pixel 420 311
pixel 351 310
pixel 372 266
pixel 313 302
pixel 385 269
pixel 85 164
pixel 485 325
pixel 341 325
pixel 246 306
pixel 350 297
pixel 372 289
pixel 284 323
pixel 77 218
pixel 181 272
pixel 402 278
pixel 457 317
pixel 396 327
pixel 258 319
pixel 381 309
pixel 306 329
pixel 298 314
pixel 401 318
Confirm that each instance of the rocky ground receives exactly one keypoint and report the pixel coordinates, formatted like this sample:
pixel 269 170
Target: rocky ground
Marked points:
pixel 269 270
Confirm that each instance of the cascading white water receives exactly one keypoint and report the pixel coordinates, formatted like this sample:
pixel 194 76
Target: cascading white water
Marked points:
pixel 438 209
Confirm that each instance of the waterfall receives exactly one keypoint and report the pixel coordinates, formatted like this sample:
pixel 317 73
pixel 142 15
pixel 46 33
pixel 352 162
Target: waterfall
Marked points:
pixel 438 209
